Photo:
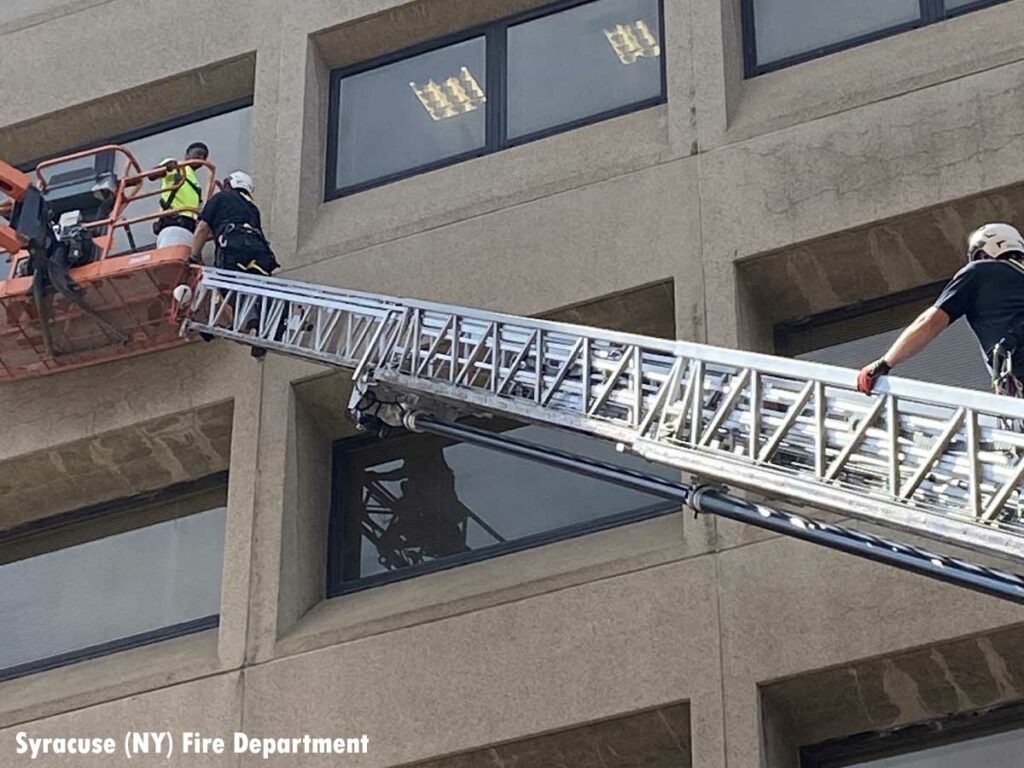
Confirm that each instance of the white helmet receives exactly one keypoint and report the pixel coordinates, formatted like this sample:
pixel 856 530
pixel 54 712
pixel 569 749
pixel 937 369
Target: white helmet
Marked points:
pixel 240 180
pixel 992 241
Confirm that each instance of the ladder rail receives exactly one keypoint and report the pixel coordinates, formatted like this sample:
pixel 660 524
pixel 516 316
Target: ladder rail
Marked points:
pixel 829 375
pixel 919 457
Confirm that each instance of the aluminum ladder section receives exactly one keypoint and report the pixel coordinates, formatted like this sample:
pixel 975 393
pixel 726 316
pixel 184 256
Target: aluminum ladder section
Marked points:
pixel 931 460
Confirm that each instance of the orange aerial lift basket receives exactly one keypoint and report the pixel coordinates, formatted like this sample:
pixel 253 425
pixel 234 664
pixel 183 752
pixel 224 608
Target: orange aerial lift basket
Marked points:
pixel 124 277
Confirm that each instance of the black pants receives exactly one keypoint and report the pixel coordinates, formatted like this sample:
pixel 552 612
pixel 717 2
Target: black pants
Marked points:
pixel 254 262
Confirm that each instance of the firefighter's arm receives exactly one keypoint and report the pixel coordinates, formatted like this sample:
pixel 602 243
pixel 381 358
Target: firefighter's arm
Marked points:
pixel 918 335
pixel 202 235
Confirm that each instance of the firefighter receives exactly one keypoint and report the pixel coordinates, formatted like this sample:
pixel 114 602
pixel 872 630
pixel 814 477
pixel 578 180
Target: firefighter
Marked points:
pixel 989 292
pixel 231 219
pixel 181 191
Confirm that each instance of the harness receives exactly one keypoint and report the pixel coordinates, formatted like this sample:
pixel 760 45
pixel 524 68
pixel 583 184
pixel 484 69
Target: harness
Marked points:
pixel 249 242
pixel 1004 382
pixel 168 202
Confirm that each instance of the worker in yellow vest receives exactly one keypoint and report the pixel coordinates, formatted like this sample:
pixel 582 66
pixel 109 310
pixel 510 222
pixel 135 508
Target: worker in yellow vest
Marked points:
pixel 181 191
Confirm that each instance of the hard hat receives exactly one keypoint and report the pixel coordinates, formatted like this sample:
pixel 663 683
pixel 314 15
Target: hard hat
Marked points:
pixel 240 180
pixel 992 241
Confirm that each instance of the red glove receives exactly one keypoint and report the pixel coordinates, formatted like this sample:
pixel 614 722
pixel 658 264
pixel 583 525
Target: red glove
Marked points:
pixel 870 374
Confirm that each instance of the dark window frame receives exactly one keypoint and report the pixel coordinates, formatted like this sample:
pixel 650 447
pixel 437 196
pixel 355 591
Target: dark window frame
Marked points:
pixel 111 647
pixel 89 515
pixel 337 586
pixel 907 304
pixel 149 130
pixel 865 747
pixel 932 12
pixel 495 56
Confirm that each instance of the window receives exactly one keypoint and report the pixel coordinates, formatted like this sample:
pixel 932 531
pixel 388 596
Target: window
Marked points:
pixel 224 129
pixel 855 336
pixel 227 136
pixel 416 503
pixel 487 89
pixel 415 113
pixel 102 580
pixel 993 739
pixel 590 60
pixel 783 32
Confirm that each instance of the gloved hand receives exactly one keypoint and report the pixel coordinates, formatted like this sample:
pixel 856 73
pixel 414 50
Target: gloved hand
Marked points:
pixel 870 374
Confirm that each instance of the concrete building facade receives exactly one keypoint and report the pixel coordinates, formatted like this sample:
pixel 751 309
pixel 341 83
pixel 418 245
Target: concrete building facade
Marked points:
pixel 742 204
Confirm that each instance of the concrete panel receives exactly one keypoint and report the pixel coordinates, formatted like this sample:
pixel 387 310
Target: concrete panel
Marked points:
pixel 546 663
pixel 366 35
pixel 718 66
pixel 489 583
pixel 839 606
pixel 658 738
pixel 870 262
pixel 273 492
pixel 144 457
pixel 465 192
pixel 628 231
pixel 108 678
pixel 238 578
pixel 212 706
pixel 96 121
pixel 20 13
pixel 432 200
pixel 866 74
pixel 127 44
pixel 649 310
pixel 788 607
pixel 871 163
pixel 964 675
pixel 66 407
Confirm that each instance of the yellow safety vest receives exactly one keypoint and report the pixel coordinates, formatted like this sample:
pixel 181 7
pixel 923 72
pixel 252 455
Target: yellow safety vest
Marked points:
pixel 188 195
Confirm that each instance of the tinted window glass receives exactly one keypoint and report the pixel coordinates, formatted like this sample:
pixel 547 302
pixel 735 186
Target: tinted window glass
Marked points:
pixel 594 60
pixel 786 28
pixel 1002 750
pixel 954 358
pixel 582 62
pixel 412 113
pixel 111 589
pixel 418 499
pixel 226 135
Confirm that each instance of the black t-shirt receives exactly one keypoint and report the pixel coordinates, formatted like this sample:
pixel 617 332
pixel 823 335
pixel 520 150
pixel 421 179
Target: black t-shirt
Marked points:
pixel 990 294
pixel 230 207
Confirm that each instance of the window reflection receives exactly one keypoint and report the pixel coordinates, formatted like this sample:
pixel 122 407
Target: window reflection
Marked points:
pixel 785 28
pixel 227 136
pixel 550 72
pixel 412 113
pixel 1002 750
pixel 117 587
pixel 582 62
pixel 419 499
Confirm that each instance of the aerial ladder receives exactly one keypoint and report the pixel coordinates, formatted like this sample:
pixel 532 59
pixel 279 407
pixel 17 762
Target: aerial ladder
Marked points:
pixel 932 461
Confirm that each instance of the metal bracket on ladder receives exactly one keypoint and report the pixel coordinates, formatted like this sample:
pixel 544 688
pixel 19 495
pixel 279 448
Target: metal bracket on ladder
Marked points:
pixel 931 460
